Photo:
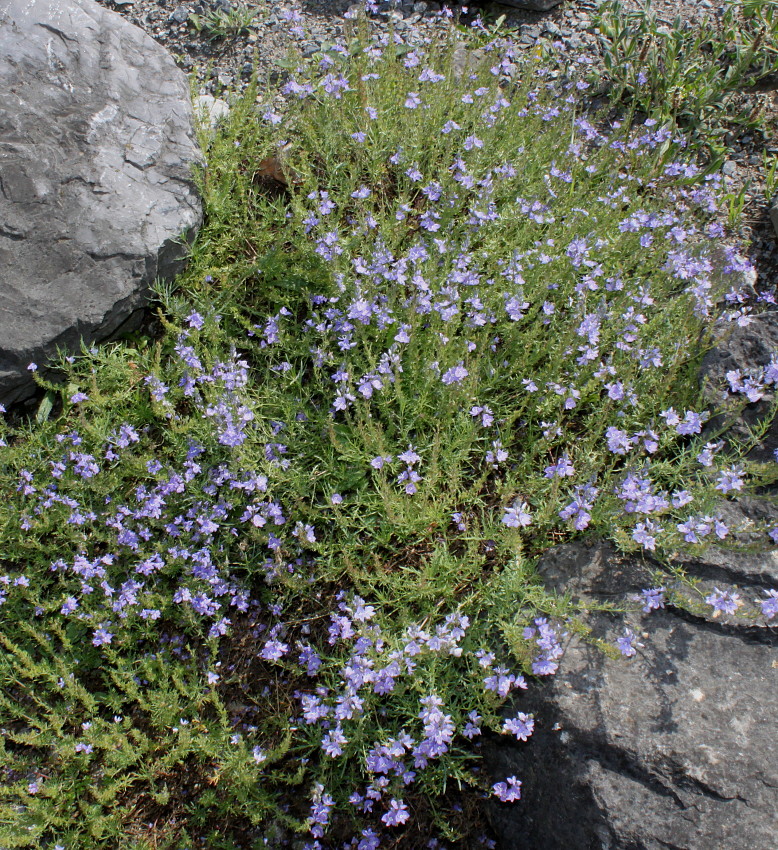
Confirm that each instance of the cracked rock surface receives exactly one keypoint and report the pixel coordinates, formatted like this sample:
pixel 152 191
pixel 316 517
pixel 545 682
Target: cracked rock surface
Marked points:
pixel 676 747
pixel 96 191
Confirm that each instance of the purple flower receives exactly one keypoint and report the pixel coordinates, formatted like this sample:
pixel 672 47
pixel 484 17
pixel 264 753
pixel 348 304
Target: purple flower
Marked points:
pixel 409 457
pixel 619 442
pixel 78 397
pixel 724 600
pixel 521 726
pixel 472 728
pixel 397 814
pixel 643 533
pixel 770 605
pixel 653 598
pixel 730 478
pixel 101 636
pixel 454 375
pixel 412 100
pixel 501 682
pixel 517 516
pixel 561 469
pixel 70 605
pixel 369 840
pixel 273 650
pixel 332 743
pixel 508 791
pixel 430 76
pixel 627 643
pixel 195 320
pixel 692 423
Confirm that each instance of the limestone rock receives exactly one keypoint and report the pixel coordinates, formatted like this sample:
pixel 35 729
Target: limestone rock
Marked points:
pixel 674 748
pixel 96 191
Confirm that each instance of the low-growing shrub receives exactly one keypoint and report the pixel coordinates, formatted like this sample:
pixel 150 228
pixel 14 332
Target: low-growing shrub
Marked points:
pixel 271 574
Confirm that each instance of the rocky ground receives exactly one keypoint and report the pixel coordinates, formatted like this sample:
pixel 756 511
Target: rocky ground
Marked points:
pixel 218 42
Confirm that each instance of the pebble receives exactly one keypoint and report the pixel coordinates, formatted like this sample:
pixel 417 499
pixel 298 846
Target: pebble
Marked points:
pixel 180 15
pixel 729 168
pixel 211 109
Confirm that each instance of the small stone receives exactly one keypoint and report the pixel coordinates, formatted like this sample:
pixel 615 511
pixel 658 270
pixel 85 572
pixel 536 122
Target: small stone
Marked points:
pixel 729 168
pixel 420 8
pixel 179 15
pixel 211 109
pixel 310 50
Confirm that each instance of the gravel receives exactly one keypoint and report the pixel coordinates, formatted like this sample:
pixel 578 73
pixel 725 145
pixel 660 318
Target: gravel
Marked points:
pixel 222 64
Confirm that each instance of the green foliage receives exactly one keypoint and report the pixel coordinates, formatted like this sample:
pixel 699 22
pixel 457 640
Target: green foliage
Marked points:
pixel 219 23
pixel 214 503
pixel 691 72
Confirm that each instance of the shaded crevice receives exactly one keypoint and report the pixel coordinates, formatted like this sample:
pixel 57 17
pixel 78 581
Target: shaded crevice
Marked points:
pixel 691 783
pixel 116 255
pixel 669 845
pixel 720 572
pixel 761 635
pixel 56 31
pixel 621 761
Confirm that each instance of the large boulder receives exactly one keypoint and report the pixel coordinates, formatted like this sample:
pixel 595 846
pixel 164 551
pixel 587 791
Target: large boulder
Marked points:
pixel 676 747
pixel 96 191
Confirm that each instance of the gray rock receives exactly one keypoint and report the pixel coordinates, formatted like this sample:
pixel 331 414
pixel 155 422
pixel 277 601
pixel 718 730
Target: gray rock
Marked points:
pixel 674 748
pixel 211 110
pixel 96 191
pixel 747 349
pixel 180 15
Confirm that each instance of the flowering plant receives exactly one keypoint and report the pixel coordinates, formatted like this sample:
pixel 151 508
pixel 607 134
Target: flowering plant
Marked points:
pixel 271 573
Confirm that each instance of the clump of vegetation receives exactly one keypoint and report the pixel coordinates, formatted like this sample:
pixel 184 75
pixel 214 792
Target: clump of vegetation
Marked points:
pixel 693 73
pixel 221 23
pixel 270 575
